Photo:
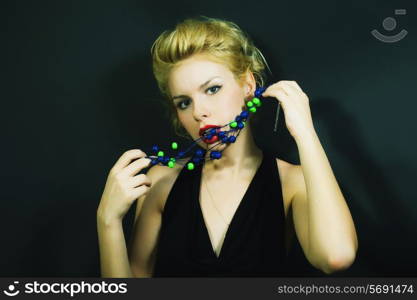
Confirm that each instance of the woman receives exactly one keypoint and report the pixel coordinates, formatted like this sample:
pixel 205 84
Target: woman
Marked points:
pixel 232 216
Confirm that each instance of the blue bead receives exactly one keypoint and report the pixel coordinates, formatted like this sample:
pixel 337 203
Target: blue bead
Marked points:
pixel 240 125
pixel 166 160
pixel 259 91
pixel 154 162
pixel 213 131
pixel 155 148
pixel 181 154
pixel 244 114
pixel 238 118
pixel 232 139
pixel 221 134
pixel 196 160
pixel 225 139
pixel 199 153
pixel 160 159
pixel 215 155
pixel 209 136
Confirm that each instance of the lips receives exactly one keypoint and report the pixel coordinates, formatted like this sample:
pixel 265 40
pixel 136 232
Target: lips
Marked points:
pixel 203 129
pixel 214 138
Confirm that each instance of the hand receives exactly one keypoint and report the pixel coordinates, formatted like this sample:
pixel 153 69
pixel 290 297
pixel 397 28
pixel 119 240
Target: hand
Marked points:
pixel 295 104
pixel 123 187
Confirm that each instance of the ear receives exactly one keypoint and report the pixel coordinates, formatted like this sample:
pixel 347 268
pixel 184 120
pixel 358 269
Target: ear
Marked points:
pixel 249 84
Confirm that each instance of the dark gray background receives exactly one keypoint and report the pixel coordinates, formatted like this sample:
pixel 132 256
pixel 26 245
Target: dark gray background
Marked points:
pixel 77 91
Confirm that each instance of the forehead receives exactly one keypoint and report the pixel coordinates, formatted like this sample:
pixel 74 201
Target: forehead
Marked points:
pixel 194 71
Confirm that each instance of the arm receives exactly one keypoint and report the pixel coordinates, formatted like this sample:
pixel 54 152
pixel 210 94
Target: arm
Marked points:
pixel 321 216
pixel 322 220
pixel 114 257
pixel 144 236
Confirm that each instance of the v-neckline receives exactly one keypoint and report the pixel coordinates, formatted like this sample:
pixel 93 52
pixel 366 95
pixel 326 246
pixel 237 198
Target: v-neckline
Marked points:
pixel 234 217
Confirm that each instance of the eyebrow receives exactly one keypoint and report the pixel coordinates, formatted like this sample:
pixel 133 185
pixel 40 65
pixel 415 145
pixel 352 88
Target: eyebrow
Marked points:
pixel 201 86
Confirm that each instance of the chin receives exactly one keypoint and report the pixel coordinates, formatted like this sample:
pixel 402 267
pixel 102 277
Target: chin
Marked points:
pixel 219 147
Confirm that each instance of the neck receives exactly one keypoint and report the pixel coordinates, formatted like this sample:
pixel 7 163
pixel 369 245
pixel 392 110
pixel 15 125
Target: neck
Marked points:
pixel 238 156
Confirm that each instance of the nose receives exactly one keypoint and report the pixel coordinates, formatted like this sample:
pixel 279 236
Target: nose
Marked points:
pixel 200 111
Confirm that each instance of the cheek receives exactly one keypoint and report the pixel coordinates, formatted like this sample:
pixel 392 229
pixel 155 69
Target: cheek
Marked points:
pixel 234 103
pixel 187 121
pixel 182 119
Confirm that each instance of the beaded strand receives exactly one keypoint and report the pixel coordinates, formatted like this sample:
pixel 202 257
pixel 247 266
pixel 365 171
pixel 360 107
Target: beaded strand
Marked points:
pixel 223 137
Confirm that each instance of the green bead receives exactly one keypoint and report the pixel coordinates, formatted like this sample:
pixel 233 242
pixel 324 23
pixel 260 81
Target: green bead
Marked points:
pixel 174 146
pixel 252 109
pixel 257 102
pixel 161 153
pixel 171 164
pixel 249 104
pixel 233 124
pixel 172 159
pixel 190 166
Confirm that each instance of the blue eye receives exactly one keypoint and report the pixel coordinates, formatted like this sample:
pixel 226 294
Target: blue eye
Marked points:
pixel 214 86
pixel 179 104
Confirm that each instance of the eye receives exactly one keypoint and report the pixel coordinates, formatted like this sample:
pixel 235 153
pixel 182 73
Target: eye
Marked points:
pixel 180 104
pixel 214 86
pixel 184 103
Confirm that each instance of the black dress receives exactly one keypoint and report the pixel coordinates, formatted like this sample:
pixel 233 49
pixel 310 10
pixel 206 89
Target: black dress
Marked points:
pixel 253 245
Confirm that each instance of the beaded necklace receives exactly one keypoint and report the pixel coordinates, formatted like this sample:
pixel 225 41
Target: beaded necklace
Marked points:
pixel 210 134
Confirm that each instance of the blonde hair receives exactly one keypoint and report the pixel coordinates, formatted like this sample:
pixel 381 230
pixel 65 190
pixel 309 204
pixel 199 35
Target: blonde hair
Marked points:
pixel 223 41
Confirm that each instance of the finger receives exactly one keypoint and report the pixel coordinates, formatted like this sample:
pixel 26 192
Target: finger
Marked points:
pixel 294 90
pixel 139 191
pixel 295 84
pixel 274 89
pixel 271 90
pixel 289 87
pixel 139 180
pixel 126 158
pixel 281 95
pixel 136 166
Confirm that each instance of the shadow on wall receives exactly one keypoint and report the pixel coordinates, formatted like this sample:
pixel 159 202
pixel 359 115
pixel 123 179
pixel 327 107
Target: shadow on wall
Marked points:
pixel 383 221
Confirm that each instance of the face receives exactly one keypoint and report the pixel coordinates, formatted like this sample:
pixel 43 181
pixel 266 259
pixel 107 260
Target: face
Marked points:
pixel 205 92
